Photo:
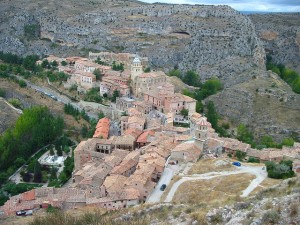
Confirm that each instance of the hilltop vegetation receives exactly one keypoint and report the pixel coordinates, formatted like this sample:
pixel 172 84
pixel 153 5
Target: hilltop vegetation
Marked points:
pixel 35 128
pixel 288 75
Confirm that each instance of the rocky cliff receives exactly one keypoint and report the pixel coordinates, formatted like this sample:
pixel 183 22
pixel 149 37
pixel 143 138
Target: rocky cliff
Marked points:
pixel 265 103
pixel 212 40
pixel 280 35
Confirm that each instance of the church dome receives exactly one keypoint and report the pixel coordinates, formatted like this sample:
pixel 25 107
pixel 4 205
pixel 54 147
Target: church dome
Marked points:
pixel 136 60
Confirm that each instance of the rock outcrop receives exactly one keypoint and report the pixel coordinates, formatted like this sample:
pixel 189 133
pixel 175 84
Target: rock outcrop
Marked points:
pixel 265 103
pixel 277 205
pixel 280 35
pixel 213 40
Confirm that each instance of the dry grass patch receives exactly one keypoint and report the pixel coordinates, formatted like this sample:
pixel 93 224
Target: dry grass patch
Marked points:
pixel 209 165
pixel 213 192
pixel 268 182
pixel 32 97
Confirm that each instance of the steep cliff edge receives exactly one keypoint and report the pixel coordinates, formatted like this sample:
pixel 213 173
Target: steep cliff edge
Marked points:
pixel 216 41
pixel 213 40
pixel 280 35
pixel 265 103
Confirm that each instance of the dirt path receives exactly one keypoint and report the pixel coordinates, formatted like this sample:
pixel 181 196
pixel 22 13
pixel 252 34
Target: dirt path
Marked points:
pixel 255 170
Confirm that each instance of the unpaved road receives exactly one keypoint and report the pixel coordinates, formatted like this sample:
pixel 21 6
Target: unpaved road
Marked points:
pixel 255 170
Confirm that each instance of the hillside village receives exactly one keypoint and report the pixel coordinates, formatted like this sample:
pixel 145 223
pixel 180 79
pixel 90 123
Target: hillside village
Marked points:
pixel 119 171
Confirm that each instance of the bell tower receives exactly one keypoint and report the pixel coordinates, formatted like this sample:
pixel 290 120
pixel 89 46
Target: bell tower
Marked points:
pixel 200 135
pixel 136 68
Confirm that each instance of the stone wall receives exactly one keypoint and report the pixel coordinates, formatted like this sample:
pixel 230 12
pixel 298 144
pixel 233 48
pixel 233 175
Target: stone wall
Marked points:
pixel 95 108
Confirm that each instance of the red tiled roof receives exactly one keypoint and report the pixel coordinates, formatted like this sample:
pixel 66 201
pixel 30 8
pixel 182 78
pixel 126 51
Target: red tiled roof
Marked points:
pixel 29 195
pixel 143 138
pixel 102 128
pixel 133 132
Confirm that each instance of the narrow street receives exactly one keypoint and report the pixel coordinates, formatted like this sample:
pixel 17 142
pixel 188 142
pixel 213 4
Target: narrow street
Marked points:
pixel 156 194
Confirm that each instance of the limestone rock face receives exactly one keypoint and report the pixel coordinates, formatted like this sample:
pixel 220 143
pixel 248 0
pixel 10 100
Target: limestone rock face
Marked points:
pixel 213 40
pixel 280 35
pixel 265 103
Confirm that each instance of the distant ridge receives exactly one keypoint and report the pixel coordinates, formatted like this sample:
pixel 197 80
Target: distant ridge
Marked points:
pixel 263 12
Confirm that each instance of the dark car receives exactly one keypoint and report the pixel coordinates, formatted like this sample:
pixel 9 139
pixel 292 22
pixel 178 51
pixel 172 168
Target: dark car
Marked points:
pixel 163 187
pixel 21 213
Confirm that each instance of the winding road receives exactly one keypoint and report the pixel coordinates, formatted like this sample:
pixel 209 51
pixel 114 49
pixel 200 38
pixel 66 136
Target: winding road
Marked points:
pixel 56 96
pixel 157 193
pixel 255 170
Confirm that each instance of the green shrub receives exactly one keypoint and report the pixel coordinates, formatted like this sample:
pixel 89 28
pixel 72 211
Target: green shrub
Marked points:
pixel 271 217
pixel 2 93
pixel 253 160
pixel 93 95
pixel 283 170
pixel 16 103
pixel 240 155
pixel 31 31
pixel 22 83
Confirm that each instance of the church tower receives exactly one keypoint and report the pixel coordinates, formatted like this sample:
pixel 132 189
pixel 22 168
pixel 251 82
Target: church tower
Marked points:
pixel 200 135
pixel 136 68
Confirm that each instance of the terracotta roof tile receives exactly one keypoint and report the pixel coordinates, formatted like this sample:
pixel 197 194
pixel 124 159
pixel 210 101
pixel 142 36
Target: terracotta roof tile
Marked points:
pixel 102 128
pixel 146 137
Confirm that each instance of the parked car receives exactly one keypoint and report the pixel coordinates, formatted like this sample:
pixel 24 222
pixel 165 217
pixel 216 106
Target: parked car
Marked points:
pixel 236 163
pixel 163 187
pixel 29 213
pixel 21 213
pixel 24 212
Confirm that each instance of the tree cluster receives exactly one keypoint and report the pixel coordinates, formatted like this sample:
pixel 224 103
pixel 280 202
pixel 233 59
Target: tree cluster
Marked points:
pixel 282 170
pixel 35 128
pixel 240 155
pixel 93 95
pixel 98 74
pixel 245 135
pixel 98 60
pixel 115 95
pixel 118 67
pixel 31 31
pixel 213 118
pixel 288 75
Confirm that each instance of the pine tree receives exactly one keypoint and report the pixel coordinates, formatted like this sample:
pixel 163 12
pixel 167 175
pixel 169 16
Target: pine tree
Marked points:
pixel 37 172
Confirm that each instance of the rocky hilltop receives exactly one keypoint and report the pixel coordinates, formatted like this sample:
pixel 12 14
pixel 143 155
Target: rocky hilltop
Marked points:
pixel 212 40
pixel 265 103
pixel 280 35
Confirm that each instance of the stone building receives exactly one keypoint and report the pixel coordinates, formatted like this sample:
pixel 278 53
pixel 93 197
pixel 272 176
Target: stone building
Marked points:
pixel 147 81
pixel 124 103
pixel 109 84
pixel 124 58
pixel 87 66
pixel 175 103
pixel 190 151
pixel 136 69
